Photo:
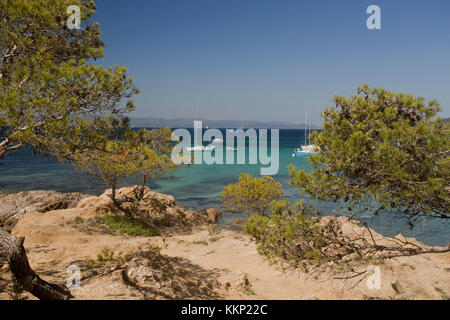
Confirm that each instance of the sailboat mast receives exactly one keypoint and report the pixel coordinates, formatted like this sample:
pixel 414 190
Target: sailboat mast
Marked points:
pixel 309 126
pixel 196 103
pixel 306 120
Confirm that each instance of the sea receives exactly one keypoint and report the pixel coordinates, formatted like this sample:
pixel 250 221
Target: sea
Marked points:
pixel 199 186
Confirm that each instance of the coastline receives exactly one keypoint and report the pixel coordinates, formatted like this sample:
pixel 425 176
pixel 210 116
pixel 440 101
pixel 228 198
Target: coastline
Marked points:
pixel 197 262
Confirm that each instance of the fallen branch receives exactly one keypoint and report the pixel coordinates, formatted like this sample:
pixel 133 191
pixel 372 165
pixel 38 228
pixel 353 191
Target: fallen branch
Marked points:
pixel 24 275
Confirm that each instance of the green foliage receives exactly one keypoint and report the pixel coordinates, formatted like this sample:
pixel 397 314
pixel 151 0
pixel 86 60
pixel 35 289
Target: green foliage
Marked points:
pixel 443 294
pixel 142 153
pixel 51 95
pixel 296 236
pixel 385 146
pixel 105 255
pixel 78 220
pixel 249 291
pixel 149 154
pixel 250 194
pixel 112 164
pixel 108 256
pixel 130 226
pixel 154 247
pixel 290 233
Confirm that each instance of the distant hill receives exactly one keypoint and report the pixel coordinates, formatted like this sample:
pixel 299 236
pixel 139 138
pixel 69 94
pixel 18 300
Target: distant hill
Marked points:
pixel 189 123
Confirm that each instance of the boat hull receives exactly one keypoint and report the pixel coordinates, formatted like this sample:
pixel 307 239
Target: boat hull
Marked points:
pixel 302 154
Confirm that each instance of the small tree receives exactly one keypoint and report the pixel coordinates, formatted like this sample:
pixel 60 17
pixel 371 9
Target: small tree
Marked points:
pixel 150 154
pixel 250 194
pixel 291 234
pixel 140 153
pixel 112 164
pixel 382 146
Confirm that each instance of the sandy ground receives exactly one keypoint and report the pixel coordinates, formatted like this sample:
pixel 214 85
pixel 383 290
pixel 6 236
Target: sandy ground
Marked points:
pixel 202 265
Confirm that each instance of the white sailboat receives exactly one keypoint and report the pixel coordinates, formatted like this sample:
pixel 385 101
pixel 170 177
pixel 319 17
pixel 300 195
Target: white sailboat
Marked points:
pixel 200 148
pixel 308 148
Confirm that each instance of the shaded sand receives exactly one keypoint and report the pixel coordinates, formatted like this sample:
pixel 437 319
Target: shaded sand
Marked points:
pixel 198 265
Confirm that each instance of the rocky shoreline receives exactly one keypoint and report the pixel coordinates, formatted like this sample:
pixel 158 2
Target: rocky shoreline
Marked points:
pixel 13 206
pixel 191 259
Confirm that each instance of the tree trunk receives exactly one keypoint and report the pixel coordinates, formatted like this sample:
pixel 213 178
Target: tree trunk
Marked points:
pixel 144 182
pixel 24 275
pixel 118 203
pixel 113 193
pixel 114 200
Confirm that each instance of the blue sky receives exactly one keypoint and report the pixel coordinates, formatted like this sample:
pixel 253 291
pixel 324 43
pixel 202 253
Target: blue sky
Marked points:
pixel 271 59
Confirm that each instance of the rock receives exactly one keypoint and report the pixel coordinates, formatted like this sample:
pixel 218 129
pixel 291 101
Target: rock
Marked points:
pixel 237 222
pixel 159 273
pixel 4 268
pixel 243 282
pixel 397 288
pixel 90 202
pixel 372 298
pixel 212 213
pixel 159 210
pixel 150 199
pixel 13 206
pixel 423 296
pixel 406 296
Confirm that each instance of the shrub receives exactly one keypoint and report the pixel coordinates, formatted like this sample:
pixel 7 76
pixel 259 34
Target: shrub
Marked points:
pixel 291 234
pixel 250 194
pixel 130 226
pixel 107 256
pixel 78 220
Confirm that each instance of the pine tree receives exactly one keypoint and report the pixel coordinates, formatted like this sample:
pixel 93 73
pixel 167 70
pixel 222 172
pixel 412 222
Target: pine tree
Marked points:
pixel 54 99
pixel 383 147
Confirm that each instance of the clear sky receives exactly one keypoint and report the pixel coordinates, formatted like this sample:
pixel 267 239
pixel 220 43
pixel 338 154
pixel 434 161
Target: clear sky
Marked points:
pixel 271 59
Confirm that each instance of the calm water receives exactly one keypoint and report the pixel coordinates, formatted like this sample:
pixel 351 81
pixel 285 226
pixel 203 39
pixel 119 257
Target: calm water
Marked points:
pixel 197 186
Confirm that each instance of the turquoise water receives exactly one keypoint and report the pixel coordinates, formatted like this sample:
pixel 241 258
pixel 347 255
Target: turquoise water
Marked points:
pixel 198 186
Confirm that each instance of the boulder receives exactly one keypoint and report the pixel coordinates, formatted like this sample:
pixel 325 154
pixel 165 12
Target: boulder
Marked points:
pixel 150 198
pixel 242 282
pixel 398 288
pixel 13 206
pixel 213 214
pixel 157 209
pixel 171 277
